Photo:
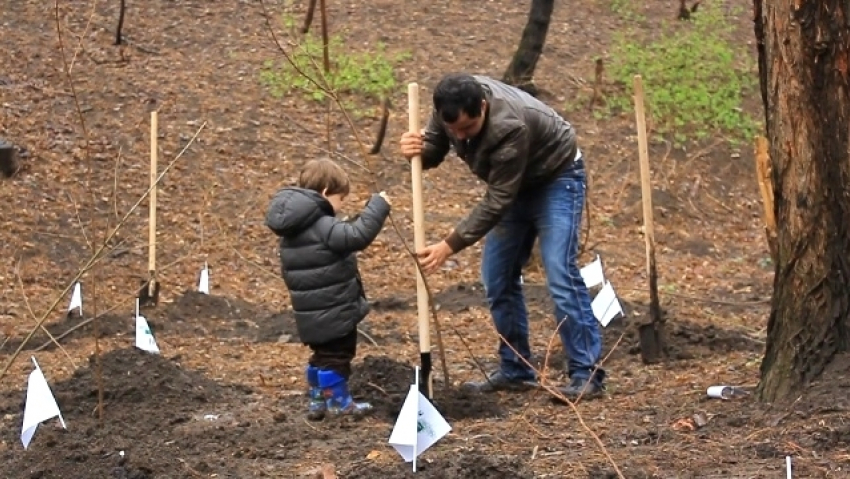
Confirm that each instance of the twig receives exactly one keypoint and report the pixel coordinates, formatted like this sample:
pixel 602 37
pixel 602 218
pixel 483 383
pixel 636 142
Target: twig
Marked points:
pixel 573 404
pixel 74 328
pixel 370 338
pixel 379 388
pixel 80 220
pixel 542 373
pixel 35 318
pixel 310 425
pixel 82 36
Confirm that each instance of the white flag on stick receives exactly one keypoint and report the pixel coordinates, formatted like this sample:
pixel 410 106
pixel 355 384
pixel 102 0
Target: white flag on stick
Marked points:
pixel 76 299
pixel 605 305
pixel 592 273
pixel 204 282
pixel 144 337
pixel 419 425
pixel 40 405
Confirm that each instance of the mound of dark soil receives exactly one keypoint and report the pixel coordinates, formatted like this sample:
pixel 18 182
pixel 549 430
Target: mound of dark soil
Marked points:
pixel 132 377
pixel 145 397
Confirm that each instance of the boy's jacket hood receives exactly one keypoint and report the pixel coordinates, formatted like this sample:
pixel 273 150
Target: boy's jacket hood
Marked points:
pixel 293 210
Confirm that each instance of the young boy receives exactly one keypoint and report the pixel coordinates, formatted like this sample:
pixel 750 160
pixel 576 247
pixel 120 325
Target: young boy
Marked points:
pixel 320 270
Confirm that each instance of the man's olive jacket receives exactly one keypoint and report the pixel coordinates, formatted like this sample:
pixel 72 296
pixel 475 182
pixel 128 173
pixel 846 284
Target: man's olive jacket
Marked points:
pixel 524 144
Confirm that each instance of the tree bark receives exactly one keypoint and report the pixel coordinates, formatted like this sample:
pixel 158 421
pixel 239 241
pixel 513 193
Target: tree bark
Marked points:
pixel 803 68
pixel 520 72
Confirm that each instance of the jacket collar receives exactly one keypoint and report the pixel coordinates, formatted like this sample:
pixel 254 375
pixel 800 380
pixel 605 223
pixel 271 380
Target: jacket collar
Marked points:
pixel 499 120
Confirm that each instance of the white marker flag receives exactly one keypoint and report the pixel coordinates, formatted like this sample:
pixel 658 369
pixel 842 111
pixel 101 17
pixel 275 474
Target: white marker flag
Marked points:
pixel 204 282
pixel 40 405
pixel 144 338
pixel 76 299
pixel 605 305
pixel 418 426
pixel 592 273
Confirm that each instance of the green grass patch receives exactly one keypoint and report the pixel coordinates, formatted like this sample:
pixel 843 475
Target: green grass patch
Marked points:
pixel 353 77
pixel 694 77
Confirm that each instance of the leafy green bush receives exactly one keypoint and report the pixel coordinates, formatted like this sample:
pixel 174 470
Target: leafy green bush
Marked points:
pixel 694 78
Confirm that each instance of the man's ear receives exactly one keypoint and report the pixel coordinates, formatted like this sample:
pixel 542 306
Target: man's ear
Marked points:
pixel 324 192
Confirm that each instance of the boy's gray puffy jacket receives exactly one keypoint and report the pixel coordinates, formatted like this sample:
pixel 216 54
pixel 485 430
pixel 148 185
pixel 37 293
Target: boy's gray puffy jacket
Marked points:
pixel 318 262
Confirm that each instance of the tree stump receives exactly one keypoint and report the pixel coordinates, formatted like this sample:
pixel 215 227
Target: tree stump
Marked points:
pixel 8 159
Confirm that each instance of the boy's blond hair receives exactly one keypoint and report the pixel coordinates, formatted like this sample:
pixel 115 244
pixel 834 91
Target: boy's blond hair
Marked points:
pixel 325 176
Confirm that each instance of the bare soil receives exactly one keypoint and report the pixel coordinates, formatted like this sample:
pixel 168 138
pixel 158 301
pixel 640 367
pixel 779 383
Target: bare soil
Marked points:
pixel 226 397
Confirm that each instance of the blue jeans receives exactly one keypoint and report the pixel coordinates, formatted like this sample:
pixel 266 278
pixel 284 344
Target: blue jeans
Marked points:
pixel 552 213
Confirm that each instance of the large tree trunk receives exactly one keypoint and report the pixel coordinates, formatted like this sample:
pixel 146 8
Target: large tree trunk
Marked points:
pixel 521 70
pixel 803 66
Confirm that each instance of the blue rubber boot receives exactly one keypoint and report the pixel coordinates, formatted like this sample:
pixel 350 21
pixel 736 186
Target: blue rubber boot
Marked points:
pixel 317 408
pixel 337 396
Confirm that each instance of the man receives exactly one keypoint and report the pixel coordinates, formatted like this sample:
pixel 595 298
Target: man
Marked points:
pixel 528 156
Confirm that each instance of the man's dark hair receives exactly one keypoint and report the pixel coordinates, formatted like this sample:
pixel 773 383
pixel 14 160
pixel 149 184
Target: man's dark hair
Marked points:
pixel 456 93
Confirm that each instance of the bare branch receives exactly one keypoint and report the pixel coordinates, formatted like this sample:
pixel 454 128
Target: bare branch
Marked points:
pixel 34 317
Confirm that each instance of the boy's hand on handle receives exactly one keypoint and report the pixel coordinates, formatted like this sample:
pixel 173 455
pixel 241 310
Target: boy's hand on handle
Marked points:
pixel 386 198
pixel 411 144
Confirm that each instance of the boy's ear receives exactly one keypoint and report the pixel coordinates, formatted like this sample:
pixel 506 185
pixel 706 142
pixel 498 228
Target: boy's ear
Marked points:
pixel 325 191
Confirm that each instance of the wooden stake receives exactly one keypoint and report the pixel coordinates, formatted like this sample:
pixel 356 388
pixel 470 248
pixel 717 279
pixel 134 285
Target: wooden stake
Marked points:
pixel 152 205
pixel 763 170
pixel 652 340
pixel 150 290
pixel 425 385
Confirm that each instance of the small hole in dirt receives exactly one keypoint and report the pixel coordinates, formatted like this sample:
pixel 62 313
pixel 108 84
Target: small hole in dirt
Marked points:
pixel 385 383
